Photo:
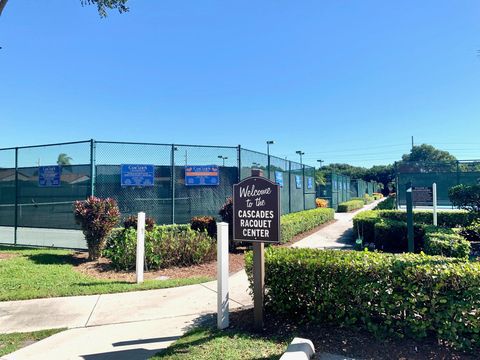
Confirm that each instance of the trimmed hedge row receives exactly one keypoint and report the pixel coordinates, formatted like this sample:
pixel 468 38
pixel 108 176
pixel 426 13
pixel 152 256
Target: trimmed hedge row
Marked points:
pixel 166 245
pixel 365 221
pixel 387 204
pixel 398 295
pixel 350 205
pixel 445 242
pixel 299 222
pixel 392 236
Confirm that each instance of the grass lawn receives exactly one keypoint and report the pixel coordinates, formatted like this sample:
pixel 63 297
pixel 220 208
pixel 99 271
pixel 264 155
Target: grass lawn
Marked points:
pixel 12 342
pixel 207 343
pixel 40 273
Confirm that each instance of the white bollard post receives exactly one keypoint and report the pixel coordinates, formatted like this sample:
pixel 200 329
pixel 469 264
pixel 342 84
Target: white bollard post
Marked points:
pixel 434 191
pixel 222 276
pixel 140 246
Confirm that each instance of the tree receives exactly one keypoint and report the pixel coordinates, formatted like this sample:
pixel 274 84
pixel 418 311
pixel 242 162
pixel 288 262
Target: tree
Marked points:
pixel 428 153
pixel 102 5
pixel 64 159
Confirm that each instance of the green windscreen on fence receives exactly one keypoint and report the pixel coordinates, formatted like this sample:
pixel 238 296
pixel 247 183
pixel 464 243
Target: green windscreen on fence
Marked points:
pixel 444 174
pixel 336 190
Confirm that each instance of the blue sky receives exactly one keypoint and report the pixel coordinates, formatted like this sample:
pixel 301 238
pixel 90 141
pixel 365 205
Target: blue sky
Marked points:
pixel 344 81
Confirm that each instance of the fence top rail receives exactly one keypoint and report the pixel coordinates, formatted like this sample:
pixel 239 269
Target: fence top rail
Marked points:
pixel 276 157
pixel 163 144
pixel 45 145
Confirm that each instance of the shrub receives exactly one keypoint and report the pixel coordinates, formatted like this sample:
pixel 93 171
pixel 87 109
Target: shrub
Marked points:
pixel 131 222
pixel 226 213
pixel 204 223
pixel 321 203
pixel 398 295
pixel 445 242
pixel 387 204
pixel 364 224
pixel 97 217
pixel 299 222
pixel 465 197
pixel 377 196
pixel 368 199
pixel 165 246
pixel 350 205
pixel 471 232
pixel 392 236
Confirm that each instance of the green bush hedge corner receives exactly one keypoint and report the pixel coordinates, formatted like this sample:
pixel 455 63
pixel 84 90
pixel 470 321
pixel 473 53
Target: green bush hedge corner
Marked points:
pixel 399 295
pixel 299 222
pixel 350 205
pixel 165 246
pixel 445 242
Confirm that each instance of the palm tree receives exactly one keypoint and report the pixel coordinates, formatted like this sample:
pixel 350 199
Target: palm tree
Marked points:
pixel 64 159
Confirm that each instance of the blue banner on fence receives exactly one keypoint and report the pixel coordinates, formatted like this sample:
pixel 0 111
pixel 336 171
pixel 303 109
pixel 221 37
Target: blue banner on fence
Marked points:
pixel 202 175
pixel 49 176
pixel 298 181
pixel 137 175
pixel 309 183
pixel 279 178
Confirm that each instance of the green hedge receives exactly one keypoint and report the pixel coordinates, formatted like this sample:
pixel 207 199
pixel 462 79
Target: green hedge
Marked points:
pixel 387 204
pixel 165 246
pixel 445 242
pixel 368 199
pixel 365 221
pixel 392 236
pixel 399 295
pixel 350 205
pixel 299 222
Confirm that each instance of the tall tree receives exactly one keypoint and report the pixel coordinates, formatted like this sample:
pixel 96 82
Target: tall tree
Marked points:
pixel 428 153
pixel 102 5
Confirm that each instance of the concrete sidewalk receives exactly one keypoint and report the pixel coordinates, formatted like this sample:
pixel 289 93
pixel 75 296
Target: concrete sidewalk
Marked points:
pixel 338 235
pixel 135 325
pixel 132 325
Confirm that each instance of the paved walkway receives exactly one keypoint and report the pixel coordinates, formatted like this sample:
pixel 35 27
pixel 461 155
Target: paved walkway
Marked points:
pixel 134 325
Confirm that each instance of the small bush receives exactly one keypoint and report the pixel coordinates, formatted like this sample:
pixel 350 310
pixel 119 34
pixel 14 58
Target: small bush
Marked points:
pixel 226 213
pixel 131 222
pixel 377 196
pixel 350 205
pixel 204 223
pixel 368 199
pixel 408 295
pixel 392 236
pixel 387 204
pixel 97 217
pixel 445 242
pixel 299 222
pixel 321 203
pixel 364 224
pixel 465 197
pixel 471 232
pixel 165 246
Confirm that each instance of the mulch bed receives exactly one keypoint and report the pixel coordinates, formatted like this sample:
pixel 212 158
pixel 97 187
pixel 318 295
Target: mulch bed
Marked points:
pixel 358 344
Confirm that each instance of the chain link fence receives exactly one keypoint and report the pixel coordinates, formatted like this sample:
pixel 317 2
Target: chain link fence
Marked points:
pixel 38 210
pixel 445 174
pixel 336 189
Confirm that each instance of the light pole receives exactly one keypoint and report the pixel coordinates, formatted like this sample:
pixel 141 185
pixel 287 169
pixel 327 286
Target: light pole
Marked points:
pixel 269 142
pixel 223 158
pixel 320 164
pixel 301 153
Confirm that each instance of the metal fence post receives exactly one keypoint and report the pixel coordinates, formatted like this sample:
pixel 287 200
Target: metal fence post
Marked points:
pixel 239 162
pixel 289 186
pixel 172 175
pixel 92 167
pixel 303 176
pixel 16 198
pixel 458 172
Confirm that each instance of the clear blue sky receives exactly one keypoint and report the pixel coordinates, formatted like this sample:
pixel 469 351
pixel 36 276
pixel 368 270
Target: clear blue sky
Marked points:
pixel 345 81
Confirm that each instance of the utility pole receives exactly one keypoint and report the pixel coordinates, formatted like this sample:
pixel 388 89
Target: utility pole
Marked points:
pixel 412 142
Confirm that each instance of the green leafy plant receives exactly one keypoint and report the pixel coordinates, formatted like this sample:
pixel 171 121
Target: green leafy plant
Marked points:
pixel 445 242
pixel 165 246
pixel 471 232
pixel 299 222
pixel 408 295
pixel 97 218
pixel 350 205
pixel 204 223
pixel 465 197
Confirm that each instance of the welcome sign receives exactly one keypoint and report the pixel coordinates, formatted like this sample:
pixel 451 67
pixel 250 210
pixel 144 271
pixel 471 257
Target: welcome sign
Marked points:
pixel 256 216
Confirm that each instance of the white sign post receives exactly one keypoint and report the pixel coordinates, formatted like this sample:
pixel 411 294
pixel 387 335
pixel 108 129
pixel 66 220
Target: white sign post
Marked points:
pixel 434 191
pixel 140 246
pixel 222 276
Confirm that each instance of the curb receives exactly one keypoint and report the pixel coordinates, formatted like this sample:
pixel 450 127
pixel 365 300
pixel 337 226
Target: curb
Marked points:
pixel 299 349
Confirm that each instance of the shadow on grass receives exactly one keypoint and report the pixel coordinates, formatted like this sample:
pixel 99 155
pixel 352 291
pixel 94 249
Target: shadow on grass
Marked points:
pixel 54 259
